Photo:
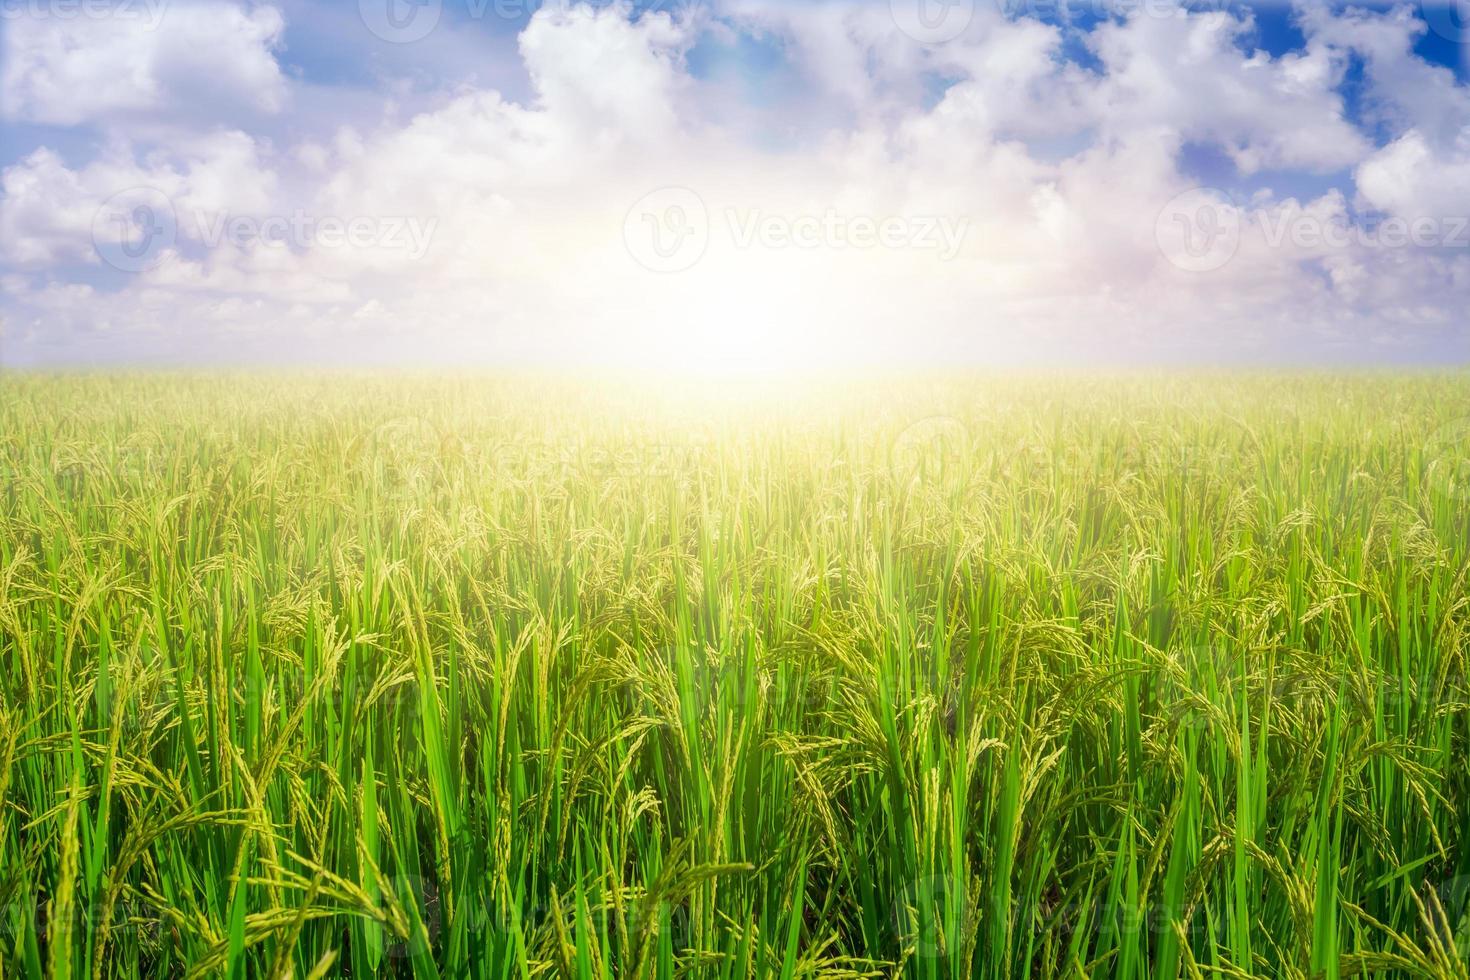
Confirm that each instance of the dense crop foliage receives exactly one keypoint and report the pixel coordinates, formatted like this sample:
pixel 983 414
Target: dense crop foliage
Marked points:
pixel 1128 677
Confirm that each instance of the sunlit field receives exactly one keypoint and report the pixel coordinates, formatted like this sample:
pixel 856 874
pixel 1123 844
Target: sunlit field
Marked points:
pixel 1139 676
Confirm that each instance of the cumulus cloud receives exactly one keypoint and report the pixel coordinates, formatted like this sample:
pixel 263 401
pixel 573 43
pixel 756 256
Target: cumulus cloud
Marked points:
pixel 1412 178
pixel 1424 170
pixel 989 198
pixel 1191 77
pixel 146 62
pixel 50 212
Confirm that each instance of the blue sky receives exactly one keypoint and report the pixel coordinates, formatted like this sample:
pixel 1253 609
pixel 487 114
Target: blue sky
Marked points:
pixel 733 181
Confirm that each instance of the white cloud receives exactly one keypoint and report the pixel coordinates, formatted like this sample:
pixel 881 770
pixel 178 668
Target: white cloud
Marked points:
pixel 598 73
pixel 1403 91
pixel 1189 75
pixel 155 63
pixel 1411 179
pixel 49 212
pixel 1056 173
pixel 1424 171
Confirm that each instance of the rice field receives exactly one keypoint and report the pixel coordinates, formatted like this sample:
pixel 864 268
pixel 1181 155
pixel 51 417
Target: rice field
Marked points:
pixel 1135 676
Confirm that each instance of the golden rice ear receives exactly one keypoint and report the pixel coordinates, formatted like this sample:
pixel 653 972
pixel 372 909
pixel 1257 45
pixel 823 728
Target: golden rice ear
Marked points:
pixel 849 691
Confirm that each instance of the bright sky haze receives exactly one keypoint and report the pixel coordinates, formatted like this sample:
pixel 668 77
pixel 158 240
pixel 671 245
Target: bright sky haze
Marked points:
pixel 743 183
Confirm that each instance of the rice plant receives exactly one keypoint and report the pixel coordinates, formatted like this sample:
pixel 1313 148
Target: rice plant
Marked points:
pixel 1139 676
